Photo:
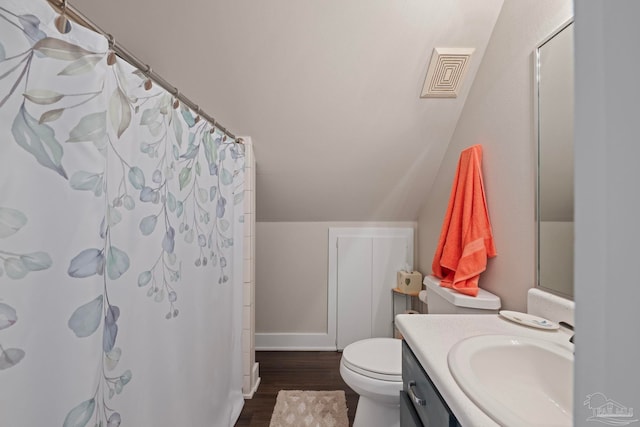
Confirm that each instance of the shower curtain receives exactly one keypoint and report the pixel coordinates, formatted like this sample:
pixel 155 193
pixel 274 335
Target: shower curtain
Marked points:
pixel 120 212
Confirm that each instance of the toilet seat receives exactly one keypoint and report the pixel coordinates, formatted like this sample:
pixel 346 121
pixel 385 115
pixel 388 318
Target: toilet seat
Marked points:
pixel 375 358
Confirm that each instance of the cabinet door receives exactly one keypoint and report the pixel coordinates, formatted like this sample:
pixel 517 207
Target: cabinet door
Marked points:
pixel 364 267
pixel 408 415
pixel 354 290
pixel 389 256
pixel 433 411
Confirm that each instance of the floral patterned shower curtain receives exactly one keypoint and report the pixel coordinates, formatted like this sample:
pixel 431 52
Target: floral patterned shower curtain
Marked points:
pixel 120 301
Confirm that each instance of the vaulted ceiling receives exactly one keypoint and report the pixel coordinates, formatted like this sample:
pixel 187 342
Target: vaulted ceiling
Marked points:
pixel 327 89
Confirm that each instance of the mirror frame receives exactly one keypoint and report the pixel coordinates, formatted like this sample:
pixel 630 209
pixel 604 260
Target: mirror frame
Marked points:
pixel 536 127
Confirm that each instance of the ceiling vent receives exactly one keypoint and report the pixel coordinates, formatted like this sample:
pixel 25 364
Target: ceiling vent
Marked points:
pixel 446 72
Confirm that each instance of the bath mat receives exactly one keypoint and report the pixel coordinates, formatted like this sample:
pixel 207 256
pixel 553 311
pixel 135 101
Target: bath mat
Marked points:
pixel 296 408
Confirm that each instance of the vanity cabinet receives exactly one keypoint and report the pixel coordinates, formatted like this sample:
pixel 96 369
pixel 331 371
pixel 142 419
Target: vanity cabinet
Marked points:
pixel 420 403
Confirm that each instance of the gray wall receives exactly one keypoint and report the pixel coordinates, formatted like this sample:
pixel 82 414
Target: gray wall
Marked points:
pixel 291 274
pixel 499 115
pixel 607 208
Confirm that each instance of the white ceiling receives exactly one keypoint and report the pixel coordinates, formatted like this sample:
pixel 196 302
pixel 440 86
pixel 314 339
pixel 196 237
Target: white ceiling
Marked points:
pixel 328 90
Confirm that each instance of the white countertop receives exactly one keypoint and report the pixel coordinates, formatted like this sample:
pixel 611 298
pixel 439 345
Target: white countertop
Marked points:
pixel 431 336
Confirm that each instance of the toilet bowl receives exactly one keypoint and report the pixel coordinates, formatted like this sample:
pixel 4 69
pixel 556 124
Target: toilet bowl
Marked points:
pixel 373 369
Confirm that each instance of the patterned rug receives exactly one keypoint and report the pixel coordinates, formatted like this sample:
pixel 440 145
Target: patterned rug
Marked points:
pixel 296 408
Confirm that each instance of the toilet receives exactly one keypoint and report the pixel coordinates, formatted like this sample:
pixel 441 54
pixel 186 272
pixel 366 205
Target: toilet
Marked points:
pixel 373 367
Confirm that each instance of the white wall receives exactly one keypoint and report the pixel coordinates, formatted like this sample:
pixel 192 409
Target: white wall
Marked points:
pixel 250 378
pixel 607 208
pixel 499 115
pixel 291 275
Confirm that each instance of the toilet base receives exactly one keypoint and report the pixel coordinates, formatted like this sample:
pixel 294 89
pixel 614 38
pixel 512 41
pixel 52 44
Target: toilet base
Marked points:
pixel 370 413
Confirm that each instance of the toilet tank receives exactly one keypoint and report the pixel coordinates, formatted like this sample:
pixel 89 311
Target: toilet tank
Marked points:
pixel 447 301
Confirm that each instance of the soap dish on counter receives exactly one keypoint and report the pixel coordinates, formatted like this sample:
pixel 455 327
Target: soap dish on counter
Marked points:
pixel 528 320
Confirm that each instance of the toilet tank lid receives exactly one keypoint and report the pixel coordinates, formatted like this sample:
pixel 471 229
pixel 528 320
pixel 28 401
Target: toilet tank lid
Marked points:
pixel 484 300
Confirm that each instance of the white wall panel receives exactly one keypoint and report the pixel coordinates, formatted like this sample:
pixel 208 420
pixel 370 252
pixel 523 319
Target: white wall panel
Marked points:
pixel 389 254
pixel 354 289
pixel 363 270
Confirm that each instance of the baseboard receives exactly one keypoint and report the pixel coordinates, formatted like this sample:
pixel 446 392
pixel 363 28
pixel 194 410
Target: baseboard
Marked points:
pixel 253 390
pixel 295 342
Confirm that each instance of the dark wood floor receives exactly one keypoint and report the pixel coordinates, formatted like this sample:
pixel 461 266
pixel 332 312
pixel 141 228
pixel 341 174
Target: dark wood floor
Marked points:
pixel 293 370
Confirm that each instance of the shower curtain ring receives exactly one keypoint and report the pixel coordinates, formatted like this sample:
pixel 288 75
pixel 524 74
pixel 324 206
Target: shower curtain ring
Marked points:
pixel 61 22
pixel 176 96
pixel 213 126
pixel 147 72
pixel 111 56
pixel 197 119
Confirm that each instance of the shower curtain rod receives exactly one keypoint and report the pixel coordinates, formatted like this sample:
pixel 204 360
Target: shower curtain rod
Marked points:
pixel 63 7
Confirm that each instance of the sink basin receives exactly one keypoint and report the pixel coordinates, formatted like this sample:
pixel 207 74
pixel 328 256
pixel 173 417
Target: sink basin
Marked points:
pixel 517 381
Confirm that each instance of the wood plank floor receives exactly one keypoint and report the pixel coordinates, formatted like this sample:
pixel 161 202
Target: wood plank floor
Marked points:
pixel 293 370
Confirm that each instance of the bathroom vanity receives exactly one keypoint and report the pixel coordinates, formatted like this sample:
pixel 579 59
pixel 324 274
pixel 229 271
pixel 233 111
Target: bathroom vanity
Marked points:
pixel 431 396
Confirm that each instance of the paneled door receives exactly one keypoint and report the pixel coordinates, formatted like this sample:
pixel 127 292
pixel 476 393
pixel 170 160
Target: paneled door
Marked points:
pixel 366 263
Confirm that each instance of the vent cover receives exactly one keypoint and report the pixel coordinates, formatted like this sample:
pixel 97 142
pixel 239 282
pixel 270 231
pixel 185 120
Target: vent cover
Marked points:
pixel 446 72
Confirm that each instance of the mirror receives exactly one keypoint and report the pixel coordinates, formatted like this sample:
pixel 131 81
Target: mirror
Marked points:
pixel 554 85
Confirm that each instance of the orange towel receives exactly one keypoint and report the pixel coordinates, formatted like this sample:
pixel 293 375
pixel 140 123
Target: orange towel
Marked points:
pixel 466 241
